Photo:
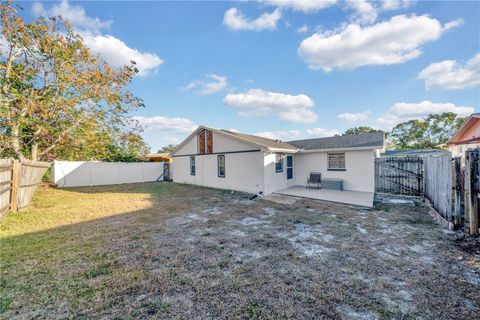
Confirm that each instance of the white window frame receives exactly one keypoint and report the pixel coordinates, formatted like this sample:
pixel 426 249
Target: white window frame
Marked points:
pixel 339 168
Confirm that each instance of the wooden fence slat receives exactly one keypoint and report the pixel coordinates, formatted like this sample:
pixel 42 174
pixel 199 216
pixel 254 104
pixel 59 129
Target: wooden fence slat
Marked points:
pixel 472 191
pixel 426 176
pixel 399 175
pixel 18 183
pixel 15 185
pixel 5 184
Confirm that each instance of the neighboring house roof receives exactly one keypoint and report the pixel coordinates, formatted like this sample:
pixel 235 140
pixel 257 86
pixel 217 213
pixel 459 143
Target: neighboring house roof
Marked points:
pixel 471 121
pixel 158 155
pixel 412 152
pixel 373 140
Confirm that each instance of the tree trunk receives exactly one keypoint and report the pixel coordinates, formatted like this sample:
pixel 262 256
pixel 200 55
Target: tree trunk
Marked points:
pixel 35 152
pixel 16 142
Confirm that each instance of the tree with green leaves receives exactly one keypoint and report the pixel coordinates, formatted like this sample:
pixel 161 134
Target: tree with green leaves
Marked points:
pixel 360 130
pixel 427 133
pixel 168 149
pixel 56 95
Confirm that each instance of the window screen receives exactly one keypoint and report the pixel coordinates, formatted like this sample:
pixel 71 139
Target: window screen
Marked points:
pixel 336 161
pixel 278 162
pixel 221 166
pixel 192 165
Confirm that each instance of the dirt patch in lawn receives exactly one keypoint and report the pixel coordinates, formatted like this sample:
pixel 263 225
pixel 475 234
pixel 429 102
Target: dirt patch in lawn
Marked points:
pixel 190 252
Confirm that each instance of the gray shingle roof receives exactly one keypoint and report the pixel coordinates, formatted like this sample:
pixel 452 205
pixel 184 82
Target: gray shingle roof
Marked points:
pixel 376 139
pixel 269 143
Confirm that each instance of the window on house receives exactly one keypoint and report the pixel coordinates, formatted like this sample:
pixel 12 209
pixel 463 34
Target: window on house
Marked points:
pixel 278 162
pixel 201 142
pixel 192 165
pixel 336 161
pixel 205 142
pixel 209 141
pixel 221 166
pixel 289 167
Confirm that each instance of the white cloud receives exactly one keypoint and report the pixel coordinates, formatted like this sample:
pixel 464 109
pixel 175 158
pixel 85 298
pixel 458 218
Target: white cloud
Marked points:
pixel 113 50
pixel 288 135
pixel 117 53
pixel 390 42
pixel 403 111
pixel 451 75
pixel 303 29
pixel 396 4
pixel 354 117
pixel 236 20
pixel 320 132
pixel 257 102
pixel 212 83
pixel 453 24
pixel 306 6
pixel 76 15
pixel 280 135
pixel 364 11
pixel 172 130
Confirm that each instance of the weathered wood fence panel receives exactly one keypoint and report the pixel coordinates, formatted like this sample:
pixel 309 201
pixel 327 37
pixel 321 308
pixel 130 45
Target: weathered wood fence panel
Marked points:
pixel 438 183
pixel 399 175
pixel 6 166
pixel 472 191
pixel 18 182
pixel 31 174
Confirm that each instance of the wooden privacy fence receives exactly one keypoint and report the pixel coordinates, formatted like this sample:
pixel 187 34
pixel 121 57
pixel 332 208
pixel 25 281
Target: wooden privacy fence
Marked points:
pixel 438 182
pixel 399 175
pixel 424 176
pixel 472 191
pixel 18 183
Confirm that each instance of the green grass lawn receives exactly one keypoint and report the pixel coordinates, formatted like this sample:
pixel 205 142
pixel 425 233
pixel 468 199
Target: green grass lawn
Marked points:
pixel 57 252
pixel 165 250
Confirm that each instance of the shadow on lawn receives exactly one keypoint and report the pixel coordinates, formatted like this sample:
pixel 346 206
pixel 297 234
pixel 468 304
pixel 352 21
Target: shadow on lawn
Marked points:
pixel 166 253
pixel 115 265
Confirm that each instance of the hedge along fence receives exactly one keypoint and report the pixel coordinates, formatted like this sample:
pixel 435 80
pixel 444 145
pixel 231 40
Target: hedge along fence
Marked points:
pixel 18 183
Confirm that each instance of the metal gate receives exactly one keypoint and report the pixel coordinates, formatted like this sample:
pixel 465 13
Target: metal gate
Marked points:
pixel 399 175
pixel 166 172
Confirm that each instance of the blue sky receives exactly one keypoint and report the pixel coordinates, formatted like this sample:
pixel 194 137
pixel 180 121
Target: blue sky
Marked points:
pixel 285 69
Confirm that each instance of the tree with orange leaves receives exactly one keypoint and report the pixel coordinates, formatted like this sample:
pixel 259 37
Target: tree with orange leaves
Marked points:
pixel 54 93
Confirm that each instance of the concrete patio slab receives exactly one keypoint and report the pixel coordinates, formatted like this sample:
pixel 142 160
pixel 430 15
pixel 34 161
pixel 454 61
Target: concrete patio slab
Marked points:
pixel 357 198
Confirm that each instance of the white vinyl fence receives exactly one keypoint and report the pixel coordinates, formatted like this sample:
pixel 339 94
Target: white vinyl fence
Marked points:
pixel 95 173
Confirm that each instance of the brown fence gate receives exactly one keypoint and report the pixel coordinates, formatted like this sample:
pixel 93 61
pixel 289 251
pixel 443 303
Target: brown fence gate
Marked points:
pixel 399 175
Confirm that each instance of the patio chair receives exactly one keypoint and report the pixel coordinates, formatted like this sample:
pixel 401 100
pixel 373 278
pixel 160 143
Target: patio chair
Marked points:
pixel 315 180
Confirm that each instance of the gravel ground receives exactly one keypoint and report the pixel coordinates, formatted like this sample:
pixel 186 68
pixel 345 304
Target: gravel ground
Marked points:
pixel 199 253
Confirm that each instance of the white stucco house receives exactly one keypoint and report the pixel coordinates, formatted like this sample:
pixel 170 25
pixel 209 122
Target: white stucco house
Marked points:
pixel 230 160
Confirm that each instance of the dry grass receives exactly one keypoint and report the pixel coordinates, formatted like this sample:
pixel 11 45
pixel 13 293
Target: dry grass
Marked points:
pixel 177 251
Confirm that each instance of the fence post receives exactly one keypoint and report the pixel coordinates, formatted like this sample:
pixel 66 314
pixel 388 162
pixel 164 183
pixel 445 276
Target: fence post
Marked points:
pixel 473 171
pixel 15 185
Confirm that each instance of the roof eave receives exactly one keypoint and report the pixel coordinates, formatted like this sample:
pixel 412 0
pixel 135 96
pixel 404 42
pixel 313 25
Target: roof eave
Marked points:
pixel 452 141
pixel 283 150
pixel 379 147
